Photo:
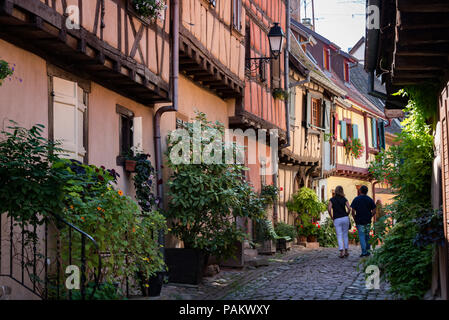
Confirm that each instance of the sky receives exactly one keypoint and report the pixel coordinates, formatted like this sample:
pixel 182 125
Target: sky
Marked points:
pixel 340 21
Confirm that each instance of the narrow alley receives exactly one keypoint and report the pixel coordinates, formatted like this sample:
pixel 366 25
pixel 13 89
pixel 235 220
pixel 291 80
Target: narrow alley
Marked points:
pixel 301 274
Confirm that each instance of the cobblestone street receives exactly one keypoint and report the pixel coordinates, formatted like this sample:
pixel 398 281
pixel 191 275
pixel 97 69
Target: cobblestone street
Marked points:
pixel 300 274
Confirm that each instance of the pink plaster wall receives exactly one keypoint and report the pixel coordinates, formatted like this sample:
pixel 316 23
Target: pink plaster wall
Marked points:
pixel 30 108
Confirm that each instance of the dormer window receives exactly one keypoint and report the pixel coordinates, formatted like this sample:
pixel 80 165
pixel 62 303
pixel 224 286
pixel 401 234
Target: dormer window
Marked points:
pixel 327 59
pixel 346 72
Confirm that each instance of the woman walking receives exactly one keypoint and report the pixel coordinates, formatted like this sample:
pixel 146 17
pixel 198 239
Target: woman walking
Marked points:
pixel 337 210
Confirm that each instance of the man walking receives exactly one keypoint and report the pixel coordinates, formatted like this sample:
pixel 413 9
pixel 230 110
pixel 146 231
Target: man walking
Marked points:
pixel 363 209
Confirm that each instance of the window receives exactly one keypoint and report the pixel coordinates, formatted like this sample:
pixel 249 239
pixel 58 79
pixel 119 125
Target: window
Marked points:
pixel 316 112
pixel 326 59
pixel 237 14
pixel 130 132
pixel 70 117
pixel 346 71
pixel 126 129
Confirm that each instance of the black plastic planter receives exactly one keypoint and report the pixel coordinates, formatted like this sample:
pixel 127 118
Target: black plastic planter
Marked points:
pixel 153 286
pixel 185 265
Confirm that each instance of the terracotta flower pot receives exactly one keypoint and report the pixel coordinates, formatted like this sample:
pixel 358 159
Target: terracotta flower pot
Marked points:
pixel 302 239
pixel 130 165
pixel 311 239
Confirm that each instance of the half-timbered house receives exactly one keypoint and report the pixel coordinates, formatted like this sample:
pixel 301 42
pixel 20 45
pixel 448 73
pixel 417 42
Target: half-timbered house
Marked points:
pixel 352 117
pixel 92 72
pixel 312 95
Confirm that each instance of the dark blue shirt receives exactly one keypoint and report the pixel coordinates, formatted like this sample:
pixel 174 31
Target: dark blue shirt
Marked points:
pixel 363 206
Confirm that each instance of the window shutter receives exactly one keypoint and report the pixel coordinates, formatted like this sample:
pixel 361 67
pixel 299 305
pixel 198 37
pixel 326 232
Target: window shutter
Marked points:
pixel 323 114
pixel 309 110
pixel 355 131
pixel 381 134
pixel 137 132
pixel 344 134
pixel 69 106
pixel 292 105
pixel 374 132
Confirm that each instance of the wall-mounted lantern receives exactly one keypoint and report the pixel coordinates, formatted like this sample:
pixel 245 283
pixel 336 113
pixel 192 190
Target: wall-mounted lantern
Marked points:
pixel 276 39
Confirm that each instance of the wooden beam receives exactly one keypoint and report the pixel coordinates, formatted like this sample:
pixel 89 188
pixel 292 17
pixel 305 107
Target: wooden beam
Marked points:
pixel 421 6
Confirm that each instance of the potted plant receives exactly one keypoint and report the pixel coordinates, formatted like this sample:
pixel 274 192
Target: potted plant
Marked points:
pixel 205 200
pixel 266 235
pixel 286 234
pixel 314 229
pixel 302 233
pixel 308 207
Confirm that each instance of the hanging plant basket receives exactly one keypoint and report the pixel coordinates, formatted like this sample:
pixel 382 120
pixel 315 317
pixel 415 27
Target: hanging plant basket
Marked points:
pixel 280 94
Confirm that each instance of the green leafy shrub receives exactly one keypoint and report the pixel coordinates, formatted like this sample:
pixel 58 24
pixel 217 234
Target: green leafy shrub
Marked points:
pixel 407 267
pixel 285 230
pixel 121 229
pixel 327 236
pixel 406 254
pixel 29 184
pixel 5 71
pixel 269 194
pixel 205 199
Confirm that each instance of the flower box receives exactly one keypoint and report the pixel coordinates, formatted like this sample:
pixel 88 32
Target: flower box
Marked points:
pixel 130 165
pixel 267 247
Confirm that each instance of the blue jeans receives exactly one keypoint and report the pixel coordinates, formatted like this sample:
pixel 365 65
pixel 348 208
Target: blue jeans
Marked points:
pixel 364 230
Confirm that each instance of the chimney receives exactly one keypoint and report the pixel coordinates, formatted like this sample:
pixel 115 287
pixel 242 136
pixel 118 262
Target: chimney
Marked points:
pixel 295 9
pixel 308 23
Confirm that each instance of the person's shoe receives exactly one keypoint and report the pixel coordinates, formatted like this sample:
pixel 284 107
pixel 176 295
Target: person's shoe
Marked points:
pixel 346 254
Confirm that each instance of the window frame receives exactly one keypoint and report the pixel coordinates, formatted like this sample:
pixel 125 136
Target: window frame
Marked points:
pixel 129 115
pixel 327 59
pixel 346 72
pixel 319 106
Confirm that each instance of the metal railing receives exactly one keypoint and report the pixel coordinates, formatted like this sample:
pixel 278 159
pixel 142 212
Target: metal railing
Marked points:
pixel 34 256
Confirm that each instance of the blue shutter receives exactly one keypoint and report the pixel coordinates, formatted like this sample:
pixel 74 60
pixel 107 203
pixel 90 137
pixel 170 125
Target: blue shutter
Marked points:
pixel 344 134
pixel 355 131
pixel 374 132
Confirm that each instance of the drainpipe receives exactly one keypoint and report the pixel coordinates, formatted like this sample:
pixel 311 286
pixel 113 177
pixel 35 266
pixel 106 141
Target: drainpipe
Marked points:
pixel 287 101
pixel 287 75
pixel 174 79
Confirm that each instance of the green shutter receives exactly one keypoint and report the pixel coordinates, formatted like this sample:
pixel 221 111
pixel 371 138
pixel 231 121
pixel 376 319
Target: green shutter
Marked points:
pixel 374 132
pixel 381 134
pixel 355 131
pixel 344 134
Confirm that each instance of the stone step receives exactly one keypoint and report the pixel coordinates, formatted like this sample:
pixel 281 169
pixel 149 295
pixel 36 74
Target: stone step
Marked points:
pixel 257 262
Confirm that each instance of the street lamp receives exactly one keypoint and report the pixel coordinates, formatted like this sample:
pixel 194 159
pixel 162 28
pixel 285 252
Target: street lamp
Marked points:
pixel 276 39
